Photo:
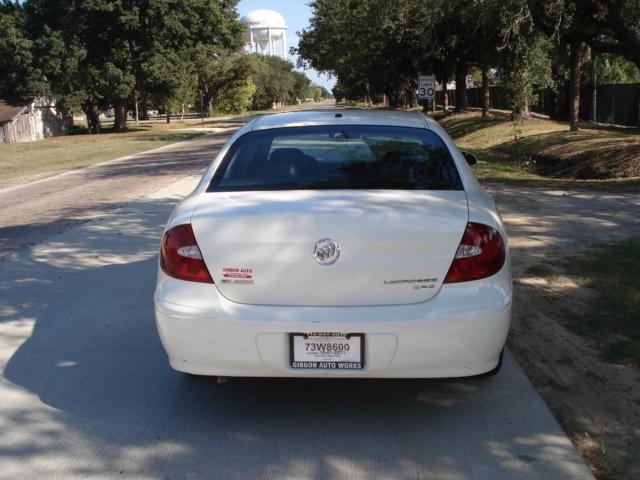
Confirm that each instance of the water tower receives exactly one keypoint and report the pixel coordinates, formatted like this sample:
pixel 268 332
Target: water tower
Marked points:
pixel 265 32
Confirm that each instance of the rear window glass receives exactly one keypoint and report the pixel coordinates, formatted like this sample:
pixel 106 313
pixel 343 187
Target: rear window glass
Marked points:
pixel 335 157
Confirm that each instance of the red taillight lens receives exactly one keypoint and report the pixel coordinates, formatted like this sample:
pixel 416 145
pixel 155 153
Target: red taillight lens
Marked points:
pixel 481 254
pixel 180 256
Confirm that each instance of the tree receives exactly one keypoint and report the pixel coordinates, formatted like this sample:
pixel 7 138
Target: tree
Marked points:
pixel 341 40
pixel 274 81
pixel 237 96
pixel 525 65
pixel 373 47
pixel 580 53
pixel 319 93
pixel 601 26
pixel 217 71
pixel 611 68
pixel 377 48
pixel 179 45
pixel 301 87
pixel 15 51
pixel 607 26
pixel 111 53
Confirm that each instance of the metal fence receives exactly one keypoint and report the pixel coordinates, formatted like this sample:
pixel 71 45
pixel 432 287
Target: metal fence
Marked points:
pixel 615 104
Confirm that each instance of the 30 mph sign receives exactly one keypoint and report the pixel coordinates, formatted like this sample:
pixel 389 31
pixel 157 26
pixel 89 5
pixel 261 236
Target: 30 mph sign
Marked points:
pixel 426 87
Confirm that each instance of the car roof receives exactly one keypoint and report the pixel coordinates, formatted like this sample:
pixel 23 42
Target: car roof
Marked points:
pixel 303 118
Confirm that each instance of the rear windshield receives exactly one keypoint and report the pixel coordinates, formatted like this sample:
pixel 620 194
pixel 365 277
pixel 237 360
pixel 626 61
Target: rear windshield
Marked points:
pixel 335 157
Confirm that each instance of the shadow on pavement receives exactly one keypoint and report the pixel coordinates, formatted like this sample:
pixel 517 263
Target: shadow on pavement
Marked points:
pixel 35 212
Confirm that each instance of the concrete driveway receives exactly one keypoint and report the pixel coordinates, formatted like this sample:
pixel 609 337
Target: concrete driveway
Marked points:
pixel 86 391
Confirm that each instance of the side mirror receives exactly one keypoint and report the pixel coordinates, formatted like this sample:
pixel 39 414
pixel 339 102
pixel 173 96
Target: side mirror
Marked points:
pixel 470 157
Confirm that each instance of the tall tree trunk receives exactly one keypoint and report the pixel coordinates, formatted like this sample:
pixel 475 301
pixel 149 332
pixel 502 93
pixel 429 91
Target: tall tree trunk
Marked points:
pixel 411 98
pixel 445 93
pixel 93 118
pixel 462 103
pixel 145 108
pixel 579 54
pixel 135 99
pixel 521 112
pixel 367 94
pixel 486 93
pixel 168 116
pixel 120 118
pixel 574 88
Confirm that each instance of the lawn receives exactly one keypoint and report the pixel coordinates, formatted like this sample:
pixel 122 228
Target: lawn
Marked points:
pixel 24 162
pixel 544 152
pixel 614 314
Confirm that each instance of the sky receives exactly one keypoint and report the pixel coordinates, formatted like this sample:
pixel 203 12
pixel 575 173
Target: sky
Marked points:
pixel 296 14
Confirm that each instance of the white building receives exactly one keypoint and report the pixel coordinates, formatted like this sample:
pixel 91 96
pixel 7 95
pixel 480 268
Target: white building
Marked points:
pixel 28 118
pixel 265 33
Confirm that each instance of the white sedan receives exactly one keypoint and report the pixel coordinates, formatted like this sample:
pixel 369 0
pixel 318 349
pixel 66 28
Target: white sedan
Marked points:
pixel 336 244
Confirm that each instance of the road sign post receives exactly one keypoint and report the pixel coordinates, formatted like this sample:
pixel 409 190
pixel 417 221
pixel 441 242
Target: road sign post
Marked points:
pixel 426 89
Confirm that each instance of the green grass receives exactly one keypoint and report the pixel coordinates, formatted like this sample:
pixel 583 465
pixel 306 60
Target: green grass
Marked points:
pixel 24 162
pixel 541 152
pixel 613 316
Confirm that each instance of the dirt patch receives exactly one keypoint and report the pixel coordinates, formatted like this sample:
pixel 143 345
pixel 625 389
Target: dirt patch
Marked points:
pixel 595 159
pixel 596 402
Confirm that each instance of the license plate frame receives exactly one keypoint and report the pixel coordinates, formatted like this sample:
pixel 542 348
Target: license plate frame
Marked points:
pixel 348 365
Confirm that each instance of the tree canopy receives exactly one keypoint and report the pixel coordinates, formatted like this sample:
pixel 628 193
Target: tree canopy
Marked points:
pixel 377 48
pixel 125 54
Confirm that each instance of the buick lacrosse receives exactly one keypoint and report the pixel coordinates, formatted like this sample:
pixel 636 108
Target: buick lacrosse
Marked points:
pixel 336 243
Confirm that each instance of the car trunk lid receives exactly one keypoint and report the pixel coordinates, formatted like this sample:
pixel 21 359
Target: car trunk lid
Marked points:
pixel 395 246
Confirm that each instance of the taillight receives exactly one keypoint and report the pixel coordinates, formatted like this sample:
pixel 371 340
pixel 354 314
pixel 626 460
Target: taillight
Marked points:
pixel 481 254
pixel 180 256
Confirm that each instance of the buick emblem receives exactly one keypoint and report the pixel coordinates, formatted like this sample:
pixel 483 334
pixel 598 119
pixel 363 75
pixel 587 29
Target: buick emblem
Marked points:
pixel 326 251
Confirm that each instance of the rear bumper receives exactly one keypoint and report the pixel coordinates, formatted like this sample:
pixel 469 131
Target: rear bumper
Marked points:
pixel 460 332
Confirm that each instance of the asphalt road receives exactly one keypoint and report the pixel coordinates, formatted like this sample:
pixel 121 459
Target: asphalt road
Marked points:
pixel 34 212
pixel 86 391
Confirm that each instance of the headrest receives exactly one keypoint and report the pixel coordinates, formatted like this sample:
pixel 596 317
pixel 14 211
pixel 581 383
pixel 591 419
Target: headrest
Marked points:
pixel 291 156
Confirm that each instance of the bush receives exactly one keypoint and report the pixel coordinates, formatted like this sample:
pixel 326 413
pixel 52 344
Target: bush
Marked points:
pixel 237 97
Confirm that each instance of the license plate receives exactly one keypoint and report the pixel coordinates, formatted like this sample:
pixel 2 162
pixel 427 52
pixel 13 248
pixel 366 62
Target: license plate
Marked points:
pixel 335 351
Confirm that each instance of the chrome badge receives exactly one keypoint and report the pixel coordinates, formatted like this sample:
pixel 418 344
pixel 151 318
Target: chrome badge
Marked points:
pixel 326 251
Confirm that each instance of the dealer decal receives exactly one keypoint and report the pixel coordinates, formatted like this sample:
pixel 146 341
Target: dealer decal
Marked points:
pixel 237 275
pixel 416 283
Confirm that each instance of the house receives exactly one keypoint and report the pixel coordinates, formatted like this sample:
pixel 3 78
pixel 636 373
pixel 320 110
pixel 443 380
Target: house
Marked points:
pixel 29 118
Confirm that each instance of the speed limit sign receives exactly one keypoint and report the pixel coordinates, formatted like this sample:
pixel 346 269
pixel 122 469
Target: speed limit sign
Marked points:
pixel 426 87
